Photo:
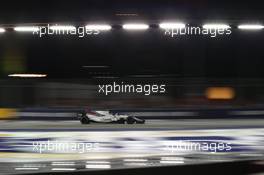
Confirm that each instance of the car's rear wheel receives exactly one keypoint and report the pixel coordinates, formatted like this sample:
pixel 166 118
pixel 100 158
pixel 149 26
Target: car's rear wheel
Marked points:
pixel 130 120
pixel 85 120
pixel 141 121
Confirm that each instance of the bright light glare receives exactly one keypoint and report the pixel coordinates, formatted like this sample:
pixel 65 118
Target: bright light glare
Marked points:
pixel 2 30
pixel 95 166
pixel 135 26
pixel 98 162
pixel 26 29
pixel 171 162
pixel 28 75
pixel 57 27
pixel 63 169
pixel 216 26
pixel 26 168
pixel 172 25
pixel 135 160
pixel 98 27
pixel 250 27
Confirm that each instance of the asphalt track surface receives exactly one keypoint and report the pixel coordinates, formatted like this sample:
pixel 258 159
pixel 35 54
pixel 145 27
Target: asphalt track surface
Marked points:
pixel 177 124
pixel 120 142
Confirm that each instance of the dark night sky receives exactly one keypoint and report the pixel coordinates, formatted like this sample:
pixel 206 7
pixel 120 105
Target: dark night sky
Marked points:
pixel 56 10
pixel 238 55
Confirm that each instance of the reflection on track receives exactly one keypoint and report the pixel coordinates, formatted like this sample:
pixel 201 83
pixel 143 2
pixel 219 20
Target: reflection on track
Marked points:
pixel 104 164
pixel 49 150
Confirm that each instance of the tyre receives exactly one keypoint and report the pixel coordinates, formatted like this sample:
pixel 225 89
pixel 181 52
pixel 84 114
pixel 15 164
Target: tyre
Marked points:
pixel 85 120
pixel 130 120
pixel 121 121
pixel 141 121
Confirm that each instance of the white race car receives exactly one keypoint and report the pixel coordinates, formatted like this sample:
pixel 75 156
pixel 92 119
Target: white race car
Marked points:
pixel 107 117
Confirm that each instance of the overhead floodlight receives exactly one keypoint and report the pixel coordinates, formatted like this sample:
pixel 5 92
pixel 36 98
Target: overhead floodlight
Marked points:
pixel 28 75
pixel 135 26
pixel 172 25
pixel 2 30
pixel 26 29
pixel 216 26
pixel 250 27
pixel 98 27
pixel 59 27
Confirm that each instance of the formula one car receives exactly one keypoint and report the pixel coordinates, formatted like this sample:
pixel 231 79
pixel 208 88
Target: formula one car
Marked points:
pixel 107 117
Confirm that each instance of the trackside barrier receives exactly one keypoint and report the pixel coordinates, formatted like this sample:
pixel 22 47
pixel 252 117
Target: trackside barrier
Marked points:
pixel 70 114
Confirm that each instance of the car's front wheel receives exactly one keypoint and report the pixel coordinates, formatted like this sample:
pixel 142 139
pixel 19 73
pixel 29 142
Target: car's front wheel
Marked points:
pixel 130 120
